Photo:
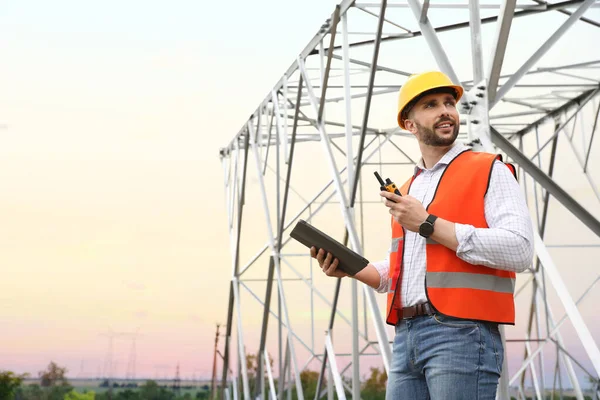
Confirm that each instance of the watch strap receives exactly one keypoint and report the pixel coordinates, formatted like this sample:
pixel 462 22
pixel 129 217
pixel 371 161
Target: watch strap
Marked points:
pixel 431 218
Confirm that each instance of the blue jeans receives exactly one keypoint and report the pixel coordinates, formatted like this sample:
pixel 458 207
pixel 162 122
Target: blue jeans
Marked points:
pixel 438 357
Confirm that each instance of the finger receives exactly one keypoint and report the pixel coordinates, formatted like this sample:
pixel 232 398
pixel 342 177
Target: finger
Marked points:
pixel 321 256
pixel 389 203
pixel 336 262
pixel 390 196
pixel 328 259
pixel 313 252
pixel 332 267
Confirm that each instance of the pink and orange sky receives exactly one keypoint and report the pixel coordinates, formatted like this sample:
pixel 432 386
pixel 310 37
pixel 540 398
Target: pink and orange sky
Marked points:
pixel 112 209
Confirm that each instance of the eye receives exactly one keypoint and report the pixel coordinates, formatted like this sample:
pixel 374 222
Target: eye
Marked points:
pixel 451 103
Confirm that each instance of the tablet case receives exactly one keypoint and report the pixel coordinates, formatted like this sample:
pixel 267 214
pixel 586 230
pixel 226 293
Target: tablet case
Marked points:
pixel 348 261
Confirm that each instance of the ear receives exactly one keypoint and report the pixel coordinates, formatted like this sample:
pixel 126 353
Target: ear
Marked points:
pixel 410 126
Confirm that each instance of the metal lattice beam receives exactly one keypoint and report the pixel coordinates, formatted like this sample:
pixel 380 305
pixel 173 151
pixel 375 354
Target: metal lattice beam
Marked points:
pixel 326 109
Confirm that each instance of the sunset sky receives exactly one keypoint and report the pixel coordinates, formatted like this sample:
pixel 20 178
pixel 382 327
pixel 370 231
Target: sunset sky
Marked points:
pixel 112 211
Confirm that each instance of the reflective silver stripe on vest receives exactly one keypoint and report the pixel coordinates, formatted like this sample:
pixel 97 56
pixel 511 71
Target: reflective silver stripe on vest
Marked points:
pixel 395 242
pixel 463 280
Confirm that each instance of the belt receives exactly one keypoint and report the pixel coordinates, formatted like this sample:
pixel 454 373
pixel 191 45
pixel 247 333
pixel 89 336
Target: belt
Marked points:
pixel 416 310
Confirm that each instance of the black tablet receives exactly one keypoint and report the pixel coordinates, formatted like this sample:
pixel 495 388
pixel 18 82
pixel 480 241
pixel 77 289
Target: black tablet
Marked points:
pixel 348 261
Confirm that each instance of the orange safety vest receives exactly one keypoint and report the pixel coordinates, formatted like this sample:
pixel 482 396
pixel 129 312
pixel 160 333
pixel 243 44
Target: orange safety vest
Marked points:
pixel 453 286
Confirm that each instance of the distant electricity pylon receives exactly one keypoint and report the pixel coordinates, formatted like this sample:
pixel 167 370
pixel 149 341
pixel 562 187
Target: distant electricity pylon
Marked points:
pixel 177 382
pixel 108 370
pixel 213 386
pixel 80 373
pixel 130 374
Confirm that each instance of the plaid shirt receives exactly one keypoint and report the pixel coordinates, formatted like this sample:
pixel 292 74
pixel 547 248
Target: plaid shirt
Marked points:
pixel 507 244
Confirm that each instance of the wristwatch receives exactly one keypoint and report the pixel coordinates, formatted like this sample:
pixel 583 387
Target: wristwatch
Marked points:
pixel 426 228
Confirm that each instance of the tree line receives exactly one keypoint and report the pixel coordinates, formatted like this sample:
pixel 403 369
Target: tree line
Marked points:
pixel 52 384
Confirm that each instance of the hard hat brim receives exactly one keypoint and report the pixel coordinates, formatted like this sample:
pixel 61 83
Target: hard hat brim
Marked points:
pixel 457 89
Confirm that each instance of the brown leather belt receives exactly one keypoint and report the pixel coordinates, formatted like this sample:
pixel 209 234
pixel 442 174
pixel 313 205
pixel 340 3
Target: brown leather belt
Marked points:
pixel 417 310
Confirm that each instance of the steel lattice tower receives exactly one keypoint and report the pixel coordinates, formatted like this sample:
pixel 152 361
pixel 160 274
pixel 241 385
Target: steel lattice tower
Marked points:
pixel 532 84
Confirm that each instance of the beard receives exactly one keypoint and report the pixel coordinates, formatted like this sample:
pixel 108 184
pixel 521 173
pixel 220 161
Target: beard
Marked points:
pixel 430 138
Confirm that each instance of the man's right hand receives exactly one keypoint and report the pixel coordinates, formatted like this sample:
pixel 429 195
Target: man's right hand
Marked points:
pixel 327 265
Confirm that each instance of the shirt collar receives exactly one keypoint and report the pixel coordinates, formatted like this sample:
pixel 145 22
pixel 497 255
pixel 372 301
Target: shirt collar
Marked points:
pixel 456 149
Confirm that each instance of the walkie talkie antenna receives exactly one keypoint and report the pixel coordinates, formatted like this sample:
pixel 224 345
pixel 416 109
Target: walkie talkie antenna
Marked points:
pixel 381 182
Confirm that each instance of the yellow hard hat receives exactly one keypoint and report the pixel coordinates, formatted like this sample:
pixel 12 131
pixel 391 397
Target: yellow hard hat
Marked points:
pixel 418 84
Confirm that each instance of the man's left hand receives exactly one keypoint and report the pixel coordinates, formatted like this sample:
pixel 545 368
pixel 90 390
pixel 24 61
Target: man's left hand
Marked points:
pixel 407 211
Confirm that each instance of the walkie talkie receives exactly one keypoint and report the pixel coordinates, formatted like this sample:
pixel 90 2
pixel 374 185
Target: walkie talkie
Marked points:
pixel 388 185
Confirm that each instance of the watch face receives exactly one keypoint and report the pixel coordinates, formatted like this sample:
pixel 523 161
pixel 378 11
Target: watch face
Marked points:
pixel 426 229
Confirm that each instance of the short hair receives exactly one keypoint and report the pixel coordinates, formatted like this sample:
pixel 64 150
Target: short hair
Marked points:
pixel 411 104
